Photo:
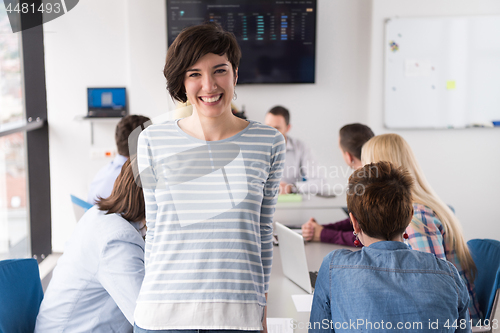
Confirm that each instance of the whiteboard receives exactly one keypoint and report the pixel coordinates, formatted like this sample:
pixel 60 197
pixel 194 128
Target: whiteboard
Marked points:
pixel 442 72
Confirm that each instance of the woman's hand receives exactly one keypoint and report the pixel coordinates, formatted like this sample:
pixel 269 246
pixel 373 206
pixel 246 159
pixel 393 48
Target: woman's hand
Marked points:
pixel 311 230
pixel 264 321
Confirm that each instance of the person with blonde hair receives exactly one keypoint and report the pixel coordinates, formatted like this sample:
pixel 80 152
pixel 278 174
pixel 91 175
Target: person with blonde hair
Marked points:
pixel 434 227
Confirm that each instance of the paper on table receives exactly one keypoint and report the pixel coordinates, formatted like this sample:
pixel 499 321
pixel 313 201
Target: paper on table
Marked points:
pixel 279 325
pixel 292 197
pixel 303 303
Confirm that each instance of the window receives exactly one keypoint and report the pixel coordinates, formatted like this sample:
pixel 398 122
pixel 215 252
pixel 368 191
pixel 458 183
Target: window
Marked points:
pixel 14 223
pixel 24 161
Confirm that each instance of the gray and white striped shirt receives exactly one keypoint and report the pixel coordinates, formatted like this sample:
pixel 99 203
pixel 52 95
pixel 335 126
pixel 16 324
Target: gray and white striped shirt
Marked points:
pixel 209 212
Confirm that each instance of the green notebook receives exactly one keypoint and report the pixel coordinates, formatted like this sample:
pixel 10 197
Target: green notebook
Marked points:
pixel 290 198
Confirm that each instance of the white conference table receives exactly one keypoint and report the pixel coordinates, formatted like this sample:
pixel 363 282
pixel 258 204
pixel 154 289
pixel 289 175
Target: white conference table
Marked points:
pixel 281 289
pixel 324 210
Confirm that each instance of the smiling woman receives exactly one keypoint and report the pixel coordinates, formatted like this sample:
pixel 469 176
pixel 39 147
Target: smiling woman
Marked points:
pixel 186 51
pixel 211 182
pixel 209 86
pixel 206 75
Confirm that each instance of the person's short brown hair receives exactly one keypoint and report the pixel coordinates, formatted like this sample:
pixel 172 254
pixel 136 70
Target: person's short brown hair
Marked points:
pixel 126 125
pixel 281 111
pixel 126 197
pixel 192 44
pixel 379 197
pixel 353 137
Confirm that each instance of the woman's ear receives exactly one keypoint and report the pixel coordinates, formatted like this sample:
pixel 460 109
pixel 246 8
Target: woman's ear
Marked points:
pixel 355 224
pixel 235 76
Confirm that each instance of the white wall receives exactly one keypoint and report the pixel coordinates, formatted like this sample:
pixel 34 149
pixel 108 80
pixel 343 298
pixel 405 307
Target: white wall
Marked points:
pixel 86 47
pixel 460 164
pixel 147 47
pixel 123 43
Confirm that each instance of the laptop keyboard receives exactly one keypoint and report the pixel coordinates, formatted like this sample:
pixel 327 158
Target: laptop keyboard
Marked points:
pixel 313 276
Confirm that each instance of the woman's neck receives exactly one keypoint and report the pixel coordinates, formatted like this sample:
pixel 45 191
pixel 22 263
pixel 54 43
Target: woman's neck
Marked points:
pixel 367 240
pixel 212 128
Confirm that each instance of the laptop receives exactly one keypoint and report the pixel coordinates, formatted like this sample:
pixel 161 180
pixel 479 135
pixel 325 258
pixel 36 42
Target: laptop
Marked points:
pixel 106 102
pixel 293 258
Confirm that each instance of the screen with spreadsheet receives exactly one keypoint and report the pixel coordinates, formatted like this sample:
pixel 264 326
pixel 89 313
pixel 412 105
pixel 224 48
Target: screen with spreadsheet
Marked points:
pixel 277 37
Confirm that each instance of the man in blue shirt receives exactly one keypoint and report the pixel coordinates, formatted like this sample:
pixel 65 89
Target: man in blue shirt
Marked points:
pixel 103 182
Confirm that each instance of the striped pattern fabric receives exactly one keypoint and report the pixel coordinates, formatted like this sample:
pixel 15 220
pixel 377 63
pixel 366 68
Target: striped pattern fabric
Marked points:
pixel 209 213
pixel 426 234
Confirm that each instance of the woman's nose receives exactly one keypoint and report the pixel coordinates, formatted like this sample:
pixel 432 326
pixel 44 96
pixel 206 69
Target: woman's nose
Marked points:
pixel 209 83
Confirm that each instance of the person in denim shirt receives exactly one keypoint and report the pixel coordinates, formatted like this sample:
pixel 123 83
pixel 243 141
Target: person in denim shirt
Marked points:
pixel 386 286
pixel 434 227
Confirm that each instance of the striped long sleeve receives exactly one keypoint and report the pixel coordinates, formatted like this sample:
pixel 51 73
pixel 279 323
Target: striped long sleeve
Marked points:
pixel 209 212
pixel 271 192
pixel 148 182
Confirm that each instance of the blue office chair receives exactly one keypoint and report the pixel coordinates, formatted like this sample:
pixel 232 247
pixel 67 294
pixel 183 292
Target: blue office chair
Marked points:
pixel 80 202
pixel 21 294
pixel 80 206
pixel 486 255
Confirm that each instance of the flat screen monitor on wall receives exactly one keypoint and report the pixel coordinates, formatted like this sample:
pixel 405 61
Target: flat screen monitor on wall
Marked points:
pixel 277 37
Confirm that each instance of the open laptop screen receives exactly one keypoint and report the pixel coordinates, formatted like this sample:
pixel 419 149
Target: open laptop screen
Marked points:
pixel 293 257
pixel 107 102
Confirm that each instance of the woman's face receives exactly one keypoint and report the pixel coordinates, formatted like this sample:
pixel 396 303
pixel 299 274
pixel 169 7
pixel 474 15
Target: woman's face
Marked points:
pixel 209 85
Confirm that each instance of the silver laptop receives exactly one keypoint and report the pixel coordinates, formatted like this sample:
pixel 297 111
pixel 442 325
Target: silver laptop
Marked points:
pixel 293 258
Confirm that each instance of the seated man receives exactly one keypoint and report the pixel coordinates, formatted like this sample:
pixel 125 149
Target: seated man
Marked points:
pixel 299 174
pixel 351 138
pixel 103 182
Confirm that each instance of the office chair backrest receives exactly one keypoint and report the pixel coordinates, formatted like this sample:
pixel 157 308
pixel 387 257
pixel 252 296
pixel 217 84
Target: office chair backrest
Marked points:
pixel 79 206
pixel 20 295
pixel 486 255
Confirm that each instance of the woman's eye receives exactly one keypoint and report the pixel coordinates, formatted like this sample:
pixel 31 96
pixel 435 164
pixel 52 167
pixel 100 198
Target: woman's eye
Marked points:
pixel 194 74
pixel 220 71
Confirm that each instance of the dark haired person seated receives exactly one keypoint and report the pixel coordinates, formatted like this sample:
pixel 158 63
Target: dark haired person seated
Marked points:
pixel 386 286
pixel 96 282
pixel 352 137
pixel 102 184
pixel 301 173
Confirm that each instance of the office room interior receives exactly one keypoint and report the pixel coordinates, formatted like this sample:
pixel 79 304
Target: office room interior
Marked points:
pixel 123 43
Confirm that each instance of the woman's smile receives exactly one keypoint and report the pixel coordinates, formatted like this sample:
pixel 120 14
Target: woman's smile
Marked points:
pixel 209 85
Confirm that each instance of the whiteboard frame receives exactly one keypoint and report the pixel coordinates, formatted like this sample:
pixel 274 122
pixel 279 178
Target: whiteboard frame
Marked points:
pixel 440 73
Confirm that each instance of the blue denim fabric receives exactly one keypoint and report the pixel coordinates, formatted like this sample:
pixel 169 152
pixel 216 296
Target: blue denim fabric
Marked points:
pixel 137 329
pixel 388 287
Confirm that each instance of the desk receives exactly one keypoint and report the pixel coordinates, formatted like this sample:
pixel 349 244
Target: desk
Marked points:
pixel 281 289
pixel 324 210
